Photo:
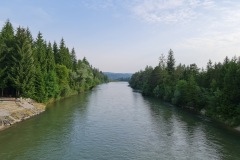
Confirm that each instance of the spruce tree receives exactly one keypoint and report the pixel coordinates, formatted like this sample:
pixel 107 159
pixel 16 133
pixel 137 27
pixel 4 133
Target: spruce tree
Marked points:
pixel 170 62
pixel 22 71
pixel 51 77
pixel 3 68
pixel 52 88
pixel 63 78
pixel 74 59
pixel 55 52
pixel 50 58
pixel 40 86
pixel 68 60
pixel 30 37
pixel 64 55
pixel 61 53
pixel 162 61
pixel 7 43
pixel 40 53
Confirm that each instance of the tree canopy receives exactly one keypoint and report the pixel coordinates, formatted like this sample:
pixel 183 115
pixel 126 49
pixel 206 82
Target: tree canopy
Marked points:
pixel 39 70
pixel 215 89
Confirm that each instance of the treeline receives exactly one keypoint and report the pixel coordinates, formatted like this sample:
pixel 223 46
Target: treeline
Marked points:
pixel 40 70
pixel 118 76
pixel 214 91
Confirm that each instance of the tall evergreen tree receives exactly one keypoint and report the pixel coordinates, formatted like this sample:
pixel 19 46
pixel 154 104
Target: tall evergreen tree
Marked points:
pixel 3 68
pixel 52 88
pixel 170 62
pixel 50 58
pixel 22 70
pixel 30 37
pixel 40 53
pixel 74 59
pixel 61 52
pixel 64 55
pixel 63 79
pixel 162 61
pixel 51 77
pixel 7 42
pixel 40 86
pixel 55 52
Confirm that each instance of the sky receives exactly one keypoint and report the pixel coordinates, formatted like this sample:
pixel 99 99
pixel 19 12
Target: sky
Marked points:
pixel 126 35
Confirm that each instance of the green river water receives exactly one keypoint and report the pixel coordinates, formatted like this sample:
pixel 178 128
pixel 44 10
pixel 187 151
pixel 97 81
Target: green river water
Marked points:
pixel 112 122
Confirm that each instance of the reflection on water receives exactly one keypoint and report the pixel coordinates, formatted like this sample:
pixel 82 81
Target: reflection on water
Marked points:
pixel 113 122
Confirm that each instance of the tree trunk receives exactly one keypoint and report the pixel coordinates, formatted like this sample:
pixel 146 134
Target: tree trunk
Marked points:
pixel 17 93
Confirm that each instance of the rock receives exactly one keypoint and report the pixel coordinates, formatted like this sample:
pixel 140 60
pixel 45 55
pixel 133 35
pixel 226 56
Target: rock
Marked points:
pixel 238 128
pixel 18 110
pixel 203 111
pixel 4 112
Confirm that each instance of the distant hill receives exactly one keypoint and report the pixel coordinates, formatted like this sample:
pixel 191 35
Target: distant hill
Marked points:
pixel 118 76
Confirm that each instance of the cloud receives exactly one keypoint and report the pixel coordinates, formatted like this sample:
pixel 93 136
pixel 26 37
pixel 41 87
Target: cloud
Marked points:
pixel 40 14
pixel 223 27
pixel 170 11
pixel 20 16
pixel 217 37
pixel 1 23
pixel 97 4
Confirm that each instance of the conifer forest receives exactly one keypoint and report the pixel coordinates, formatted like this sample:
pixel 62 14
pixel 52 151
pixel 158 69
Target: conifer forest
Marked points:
pixel 213 91
pixel 35 68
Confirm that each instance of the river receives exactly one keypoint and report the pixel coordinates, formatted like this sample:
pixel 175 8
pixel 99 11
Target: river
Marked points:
pixel 114 122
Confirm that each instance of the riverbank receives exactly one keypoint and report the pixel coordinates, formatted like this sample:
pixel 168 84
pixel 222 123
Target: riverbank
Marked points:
pixel 112 115
pixel 204 113
pixel 16 110
pixel 215 118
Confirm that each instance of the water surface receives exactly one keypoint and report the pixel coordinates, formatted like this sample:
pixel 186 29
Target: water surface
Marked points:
pixel 113 122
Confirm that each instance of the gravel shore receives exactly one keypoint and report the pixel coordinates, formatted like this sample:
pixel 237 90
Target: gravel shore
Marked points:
pixel 18 110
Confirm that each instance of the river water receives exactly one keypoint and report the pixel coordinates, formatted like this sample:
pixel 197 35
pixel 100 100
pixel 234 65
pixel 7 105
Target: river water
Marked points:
pixel 114 122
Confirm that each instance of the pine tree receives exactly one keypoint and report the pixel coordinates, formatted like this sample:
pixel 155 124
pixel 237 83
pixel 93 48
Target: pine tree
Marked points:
pixel 50 58
pixel 155 78
pixel 3 68
pixel 52 88
pixel 226 60
pixel 63 79
pixel 30 37
pixel 68 60
pixel 6 53
pixel 51 77
pixel 55 52
pixel 74 59
pixel 170 62
pixel 41 61
pixel 162 61
pixel 64 55
pixel 22 70
pixel 40 86
pixel 40 53
pixel 61 53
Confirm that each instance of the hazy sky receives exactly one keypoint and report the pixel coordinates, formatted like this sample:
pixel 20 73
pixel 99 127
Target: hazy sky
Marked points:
pixel 127 35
